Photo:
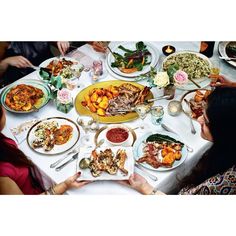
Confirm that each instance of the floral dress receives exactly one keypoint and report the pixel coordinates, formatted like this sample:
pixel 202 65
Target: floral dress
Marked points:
pixel 221 184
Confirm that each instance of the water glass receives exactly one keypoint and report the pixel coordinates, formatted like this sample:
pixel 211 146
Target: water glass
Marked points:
pixel 157 114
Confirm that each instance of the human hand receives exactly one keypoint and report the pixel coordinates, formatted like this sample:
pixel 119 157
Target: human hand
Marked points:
pixel 138 183
pixel 18 61
pixel 72 182
pixel 99 46
pixel 63 47
pixel 221 81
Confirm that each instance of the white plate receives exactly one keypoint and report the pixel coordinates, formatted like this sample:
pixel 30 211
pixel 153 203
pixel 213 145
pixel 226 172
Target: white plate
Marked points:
pixel 129 165
pixel 222 51
pixel 154 57
pixel 203 82
pixel 138 151
pixel 57 149
pixel 189 95
pixel 47 62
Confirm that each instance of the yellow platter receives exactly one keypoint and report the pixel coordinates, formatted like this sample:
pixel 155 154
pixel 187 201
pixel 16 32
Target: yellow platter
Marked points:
pixel 106 119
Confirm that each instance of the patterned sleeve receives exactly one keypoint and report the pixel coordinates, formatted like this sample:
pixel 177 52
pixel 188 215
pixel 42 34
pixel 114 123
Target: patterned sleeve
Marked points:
pixel 221 184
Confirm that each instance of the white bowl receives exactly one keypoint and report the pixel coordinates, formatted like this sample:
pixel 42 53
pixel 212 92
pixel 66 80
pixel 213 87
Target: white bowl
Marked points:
pixel 112 142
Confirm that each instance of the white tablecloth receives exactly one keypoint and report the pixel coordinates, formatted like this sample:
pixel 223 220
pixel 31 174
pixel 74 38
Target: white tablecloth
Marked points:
pixel 167 181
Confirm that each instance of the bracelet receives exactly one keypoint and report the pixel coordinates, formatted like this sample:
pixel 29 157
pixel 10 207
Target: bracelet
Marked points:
pixel 153 192
pixel 50 191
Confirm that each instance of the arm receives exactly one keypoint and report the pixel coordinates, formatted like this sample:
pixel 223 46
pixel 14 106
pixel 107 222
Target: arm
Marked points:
pixel 221 81
pixel 8 186
pixel 141 185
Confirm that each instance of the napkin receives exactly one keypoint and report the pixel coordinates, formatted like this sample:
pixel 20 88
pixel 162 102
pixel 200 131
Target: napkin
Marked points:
pixel 20 131
pixel 84 59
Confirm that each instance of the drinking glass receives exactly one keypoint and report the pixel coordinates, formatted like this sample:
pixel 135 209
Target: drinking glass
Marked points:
pixel 142 110
pixel 157 114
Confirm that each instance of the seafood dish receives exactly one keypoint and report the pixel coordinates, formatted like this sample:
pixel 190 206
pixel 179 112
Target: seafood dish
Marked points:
pixel 23 97
pixel 50 133
pixel 197 102
pixel 106 161
pixel 113 100
pixel 160 151
pixel 192 63
pixel 131 61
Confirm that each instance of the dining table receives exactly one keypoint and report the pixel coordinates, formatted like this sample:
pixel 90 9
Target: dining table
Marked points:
pixel 168 180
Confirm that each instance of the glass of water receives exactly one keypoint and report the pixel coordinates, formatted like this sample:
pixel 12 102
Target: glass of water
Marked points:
pixel 157 114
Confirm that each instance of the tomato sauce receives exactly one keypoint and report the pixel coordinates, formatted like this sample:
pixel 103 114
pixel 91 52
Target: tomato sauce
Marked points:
pixel 117 135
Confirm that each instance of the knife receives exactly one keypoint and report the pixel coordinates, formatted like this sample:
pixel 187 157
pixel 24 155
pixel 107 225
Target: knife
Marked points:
pixel 73 158
pixel 165 127
pixel 151 176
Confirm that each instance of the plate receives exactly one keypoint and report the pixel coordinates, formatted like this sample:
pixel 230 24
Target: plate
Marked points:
pixel 138 151
pixel 188 96
pixel 101 134
pixel 203 82
pixel 131 45
pixel 57 149
pixel 222 51
pixel 35 83
pixel 45 63
pixel 129 165
pixel 106 119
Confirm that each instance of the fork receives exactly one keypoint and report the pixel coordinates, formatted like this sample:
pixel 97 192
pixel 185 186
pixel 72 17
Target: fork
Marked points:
pixel 63 158
pixel 193 131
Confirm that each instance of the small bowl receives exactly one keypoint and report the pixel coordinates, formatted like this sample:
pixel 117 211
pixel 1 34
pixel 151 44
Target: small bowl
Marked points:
pixel 168 49
pixel 117 135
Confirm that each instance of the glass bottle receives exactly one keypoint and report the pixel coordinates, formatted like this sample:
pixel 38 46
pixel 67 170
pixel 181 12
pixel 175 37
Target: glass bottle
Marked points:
pixel 207 48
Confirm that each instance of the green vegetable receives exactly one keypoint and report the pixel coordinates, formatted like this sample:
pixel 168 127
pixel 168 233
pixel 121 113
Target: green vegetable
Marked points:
pixel 160 138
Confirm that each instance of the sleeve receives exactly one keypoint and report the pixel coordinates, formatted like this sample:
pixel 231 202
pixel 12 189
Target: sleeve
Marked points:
pixel 8 170
pixel 220 184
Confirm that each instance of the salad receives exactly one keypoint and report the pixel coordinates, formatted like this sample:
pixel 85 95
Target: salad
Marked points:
pixel 132 60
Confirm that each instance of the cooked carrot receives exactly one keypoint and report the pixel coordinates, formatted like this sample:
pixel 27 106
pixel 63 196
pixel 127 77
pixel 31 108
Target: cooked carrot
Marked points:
pixel 128 71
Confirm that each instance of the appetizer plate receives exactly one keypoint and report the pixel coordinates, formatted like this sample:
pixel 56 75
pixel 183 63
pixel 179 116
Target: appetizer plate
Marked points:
pixel 57 149
pixel 153 58
pixel 106 119
pixel 189 95
pixel 138 151
pixel 101 134
pixel 86 173
pixel 35 83
pixel 45 63
pixel 222 51
pixel 203 82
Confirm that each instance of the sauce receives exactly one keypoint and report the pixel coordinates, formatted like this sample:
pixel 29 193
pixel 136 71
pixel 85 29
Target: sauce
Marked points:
pixel 117 135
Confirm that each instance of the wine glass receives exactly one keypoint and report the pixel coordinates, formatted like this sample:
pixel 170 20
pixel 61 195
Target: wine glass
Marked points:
pixel 85 122
pixel 142 110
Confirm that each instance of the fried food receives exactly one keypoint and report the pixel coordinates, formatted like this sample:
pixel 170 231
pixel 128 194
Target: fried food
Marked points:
pixel 49 134
pixel 57 66
pixel 106 161
pixel 23 97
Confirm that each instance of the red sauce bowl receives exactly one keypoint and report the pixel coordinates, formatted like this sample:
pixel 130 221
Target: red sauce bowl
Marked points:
pixel 117 135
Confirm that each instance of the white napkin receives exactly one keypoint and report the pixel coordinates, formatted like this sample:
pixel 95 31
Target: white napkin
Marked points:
pixel 20 131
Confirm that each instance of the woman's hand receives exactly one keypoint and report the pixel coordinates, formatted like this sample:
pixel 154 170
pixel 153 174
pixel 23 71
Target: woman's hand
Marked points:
pixel 63 47
pixel 72 182
pixel 98 46
pixel 138 183
pixel 221 81
pixel 18 61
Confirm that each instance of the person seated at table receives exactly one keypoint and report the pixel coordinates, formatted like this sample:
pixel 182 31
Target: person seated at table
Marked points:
pixel 17 172
pixel 17 58
pixel 215 173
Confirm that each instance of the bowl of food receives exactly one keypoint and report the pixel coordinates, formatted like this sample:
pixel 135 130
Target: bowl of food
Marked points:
pixel 117 135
